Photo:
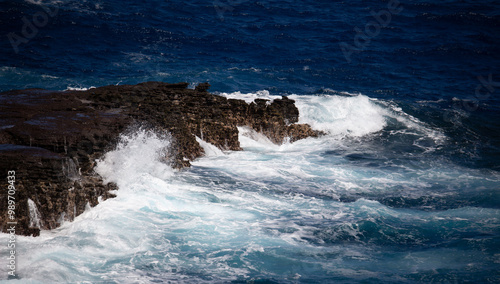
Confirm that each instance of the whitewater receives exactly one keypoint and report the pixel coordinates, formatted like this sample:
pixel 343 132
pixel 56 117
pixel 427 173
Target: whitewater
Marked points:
pixel 375 199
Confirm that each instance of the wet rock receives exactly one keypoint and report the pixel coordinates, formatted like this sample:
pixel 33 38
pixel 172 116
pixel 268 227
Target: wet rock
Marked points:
pixel 52 139
pixel 203 87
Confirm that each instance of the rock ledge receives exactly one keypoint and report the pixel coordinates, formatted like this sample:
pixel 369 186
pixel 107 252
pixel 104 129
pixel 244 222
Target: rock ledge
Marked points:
pixel 51 139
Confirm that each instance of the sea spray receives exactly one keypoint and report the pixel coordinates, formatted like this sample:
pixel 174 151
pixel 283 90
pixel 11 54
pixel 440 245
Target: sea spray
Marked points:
pixel 34 215
pixel 341 115
pixel 138 152
pixel 339 208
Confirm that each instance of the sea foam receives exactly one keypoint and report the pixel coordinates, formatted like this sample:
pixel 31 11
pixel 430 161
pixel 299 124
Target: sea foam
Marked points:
pixel 313 210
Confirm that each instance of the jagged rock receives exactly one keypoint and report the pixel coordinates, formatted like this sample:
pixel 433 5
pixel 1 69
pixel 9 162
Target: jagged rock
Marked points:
pixel 203 87
pixel 51 139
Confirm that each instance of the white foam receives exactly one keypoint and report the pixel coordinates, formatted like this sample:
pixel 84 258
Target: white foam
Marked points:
pixel 34 214
pixel 252 69
pixel 69 88
pixel 250 97
pixel 356 115
pixel 140 153
pixel 340 115
pixel 345 115
pixel 251 139
pixel 210 149
pixel 49 77
pixel 250 207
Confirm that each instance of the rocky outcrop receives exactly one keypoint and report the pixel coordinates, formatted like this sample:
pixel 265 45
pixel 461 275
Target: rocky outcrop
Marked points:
pixel 51 139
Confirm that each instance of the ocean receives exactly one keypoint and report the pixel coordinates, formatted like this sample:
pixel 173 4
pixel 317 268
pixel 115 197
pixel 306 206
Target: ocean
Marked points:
pixel 403 188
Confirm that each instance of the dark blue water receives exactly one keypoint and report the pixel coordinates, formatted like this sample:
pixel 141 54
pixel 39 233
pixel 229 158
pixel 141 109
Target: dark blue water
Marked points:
pixel 432 63
pixel 431 51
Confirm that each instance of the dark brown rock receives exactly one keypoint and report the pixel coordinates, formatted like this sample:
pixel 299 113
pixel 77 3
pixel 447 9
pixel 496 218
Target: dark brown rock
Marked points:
pixel 51 139
pixel 203 87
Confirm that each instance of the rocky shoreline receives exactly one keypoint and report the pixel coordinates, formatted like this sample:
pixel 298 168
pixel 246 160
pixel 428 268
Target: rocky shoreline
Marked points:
pixel 51 139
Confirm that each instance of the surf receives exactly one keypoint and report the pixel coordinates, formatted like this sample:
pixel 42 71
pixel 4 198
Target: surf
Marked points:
pixel 340 207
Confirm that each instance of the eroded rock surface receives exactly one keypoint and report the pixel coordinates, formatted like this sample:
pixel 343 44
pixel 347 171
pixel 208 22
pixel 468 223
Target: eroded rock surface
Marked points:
pixel 52 139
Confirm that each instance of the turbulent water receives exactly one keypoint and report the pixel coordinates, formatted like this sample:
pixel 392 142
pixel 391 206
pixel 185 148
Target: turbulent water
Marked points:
pixel 403 188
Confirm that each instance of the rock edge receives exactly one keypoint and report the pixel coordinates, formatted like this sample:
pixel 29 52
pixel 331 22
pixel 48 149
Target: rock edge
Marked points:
pixel 51 139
